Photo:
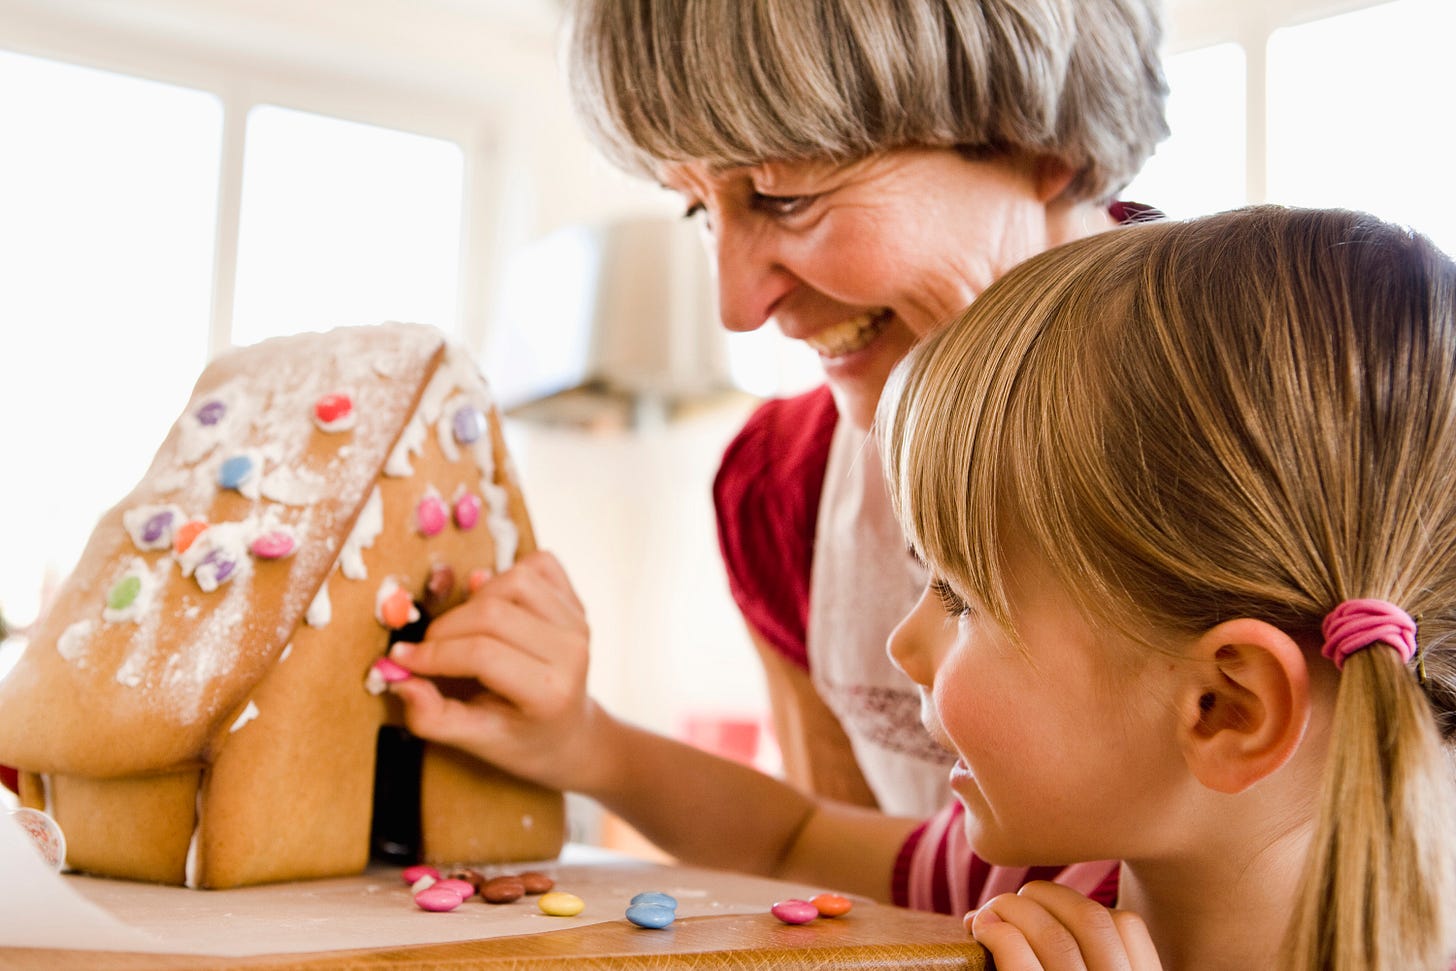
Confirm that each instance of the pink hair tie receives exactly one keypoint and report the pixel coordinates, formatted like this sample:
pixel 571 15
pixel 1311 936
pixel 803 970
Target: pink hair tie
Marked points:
pixel 1356 624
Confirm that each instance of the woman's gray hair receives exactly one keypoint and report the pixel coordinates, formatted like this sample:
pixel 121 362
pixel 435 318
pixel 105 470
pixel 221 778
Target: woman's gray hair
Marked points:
pixel 738 82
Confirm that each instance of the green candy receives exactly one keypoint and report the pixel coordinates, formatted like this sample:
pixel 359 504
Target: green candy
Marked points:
pixel 124 593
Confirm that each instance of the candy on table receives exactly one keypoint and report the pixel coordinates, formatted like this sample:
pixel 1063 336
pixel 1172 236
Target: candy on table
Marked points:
pixel 652 909
pixel 49 841
pixel 656 898
pixel 412 873
pixel 438 899
pixel 464 888
pixel 559 904
pixel 502 890
pixel 794 911
pixel 831 904
pixel 536 882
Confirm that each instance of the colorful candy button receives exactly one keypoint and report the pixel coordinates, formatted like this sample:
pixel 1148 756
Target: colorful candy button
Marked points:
pixel 382 673
pixel 464 888
pixel 412 873
pixel 794 911
pixel 438 899
pixel 468 424
pixel 272 546
pixel 467 511
pixel 211 412
pixel 502 890
pixel 559 904
pixel 235 471
pixel 651 916
pixel 655 898
pixel 124 592
pixel 536 882
pixel 334 412
pixel 158 527
pixel 397 609
pixel 186 533
pixel 431 515
pixel 831 904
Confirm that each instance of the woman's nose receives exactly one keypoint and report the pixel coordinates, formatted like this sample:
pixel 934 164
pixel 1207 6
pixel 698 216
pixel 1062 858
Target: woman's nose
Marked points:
pixel 909 645
pixel 751 281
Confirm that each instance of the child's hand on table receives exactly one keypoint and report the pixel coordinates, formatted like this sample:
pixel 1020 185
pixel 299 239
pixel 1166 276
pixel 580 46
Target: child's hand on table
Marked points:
pixel 1051 927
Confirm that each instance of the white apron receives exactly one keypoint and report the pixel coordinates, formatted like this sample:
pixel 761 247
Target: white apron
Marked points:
pixel 863 581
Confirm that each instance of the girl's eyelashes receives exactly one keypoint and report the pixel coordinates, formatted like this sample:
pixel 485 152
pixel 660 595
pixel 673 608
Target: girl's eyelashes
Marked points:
pixel 950 601
pixel 693 209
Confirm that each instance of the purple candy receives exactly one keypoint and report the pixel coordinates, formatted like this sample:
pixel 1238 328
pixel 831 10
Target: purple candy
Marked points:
pixel 469 424
pixel 157 526
pixel 222 564
pixel 211 413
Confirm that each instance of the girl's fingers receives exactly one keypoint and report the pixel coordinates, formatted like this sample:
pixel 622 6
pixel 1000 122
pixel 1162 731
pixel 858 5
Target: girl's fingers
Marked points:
pixel 518 608
pixel 539 688
pixel 1062 929
pixel 1010 950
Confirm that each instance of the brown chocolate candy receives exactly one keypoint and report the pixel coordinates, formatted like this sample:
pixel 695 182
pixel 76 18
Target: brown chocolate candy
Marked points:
pixel 502 890
pixel 536 882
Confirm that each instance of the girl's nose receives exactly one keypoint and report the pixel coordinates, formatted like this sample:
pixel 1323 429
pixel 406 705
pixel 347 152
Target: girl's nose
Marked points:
pixel 910 645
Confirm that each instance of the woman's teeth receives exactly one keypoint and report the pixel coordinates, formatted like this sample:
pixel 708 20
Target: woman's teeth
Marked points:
pixel 850 335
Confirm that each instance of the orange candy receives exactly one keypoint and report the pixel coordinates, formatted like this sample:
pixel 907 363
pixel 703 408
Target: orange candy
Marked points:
pixel 186 533
pixel 832 905
pixel 397 610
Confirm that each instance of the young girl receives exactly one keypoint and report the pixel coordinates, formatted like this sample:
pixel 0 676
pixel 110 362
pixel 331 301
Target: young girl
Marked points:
pixel 1187 493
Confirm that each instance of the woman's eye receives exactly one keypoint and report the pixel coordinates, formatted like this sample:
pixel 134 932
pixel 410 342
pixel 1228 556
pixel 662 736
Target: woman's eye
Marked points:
pixel 693 209
pixel 950 601
pixel 781 205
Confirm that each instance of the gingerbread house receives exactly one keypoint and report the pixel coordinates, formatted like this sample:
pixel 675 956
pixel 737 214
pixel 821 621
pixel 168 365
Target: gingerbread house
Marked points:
pixel 192 708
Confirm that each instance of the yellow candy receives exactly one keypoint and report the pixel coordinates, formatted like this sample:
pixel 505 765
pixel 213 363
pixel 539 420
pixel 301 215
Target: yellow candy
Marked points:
pixel 559 904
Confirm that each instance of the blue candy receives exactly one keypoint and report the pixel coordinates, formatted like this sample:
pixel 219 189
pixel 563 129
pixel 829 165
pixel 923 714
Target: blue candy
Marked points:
pixel 655 898
pixel 651 916
pixel 235 471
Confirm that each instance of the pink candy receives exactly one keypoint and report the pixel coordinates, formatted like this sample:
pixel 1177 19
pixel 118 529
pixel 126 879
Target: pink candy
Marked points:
pixel 462 887
pixel 438 899
pixel 272 546
pixel 467 511
pixel 391 672
pixel 794 911
pixel 431 515
pixel 412 874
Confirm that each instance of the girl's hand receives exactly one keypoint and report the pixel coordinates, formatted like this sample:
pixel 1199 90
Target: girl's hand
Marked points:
pixel 522 640
pixel 1048 926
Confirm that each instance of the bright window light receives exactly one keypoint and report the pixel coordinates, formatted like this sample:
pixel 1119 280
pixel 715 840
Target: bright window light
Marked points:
pixel 345 223
pixel 108 193
pixel 1199 168
pixel 1351 120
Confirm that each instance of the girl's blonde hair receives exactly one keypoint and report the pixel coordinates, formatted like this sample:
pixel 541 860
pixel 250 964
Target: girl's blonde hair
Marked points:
pixel 1247 415
pixel 739 82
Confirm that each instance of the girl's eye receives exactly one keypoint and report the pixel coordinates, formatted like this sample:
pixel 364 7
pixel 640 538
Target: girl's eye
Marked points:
pixel 950 601
pixel 693 209
pixel 781 205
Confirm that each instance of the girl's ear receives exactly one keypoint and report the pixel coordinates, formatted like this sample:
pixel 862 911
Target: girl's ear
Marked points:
pixel 1244 709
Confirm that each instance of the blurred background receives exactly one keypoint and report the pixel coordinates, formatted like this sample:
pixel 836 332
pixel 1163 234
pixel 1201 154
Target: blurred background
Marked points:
pixel 179 176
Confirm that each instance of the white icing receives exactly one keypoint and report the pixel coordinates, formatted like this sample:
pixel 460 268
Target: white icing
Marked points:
pixel 374 682
pixel 366 530
pixel 411 442
pixel 72 643
pixel 215 546
pixel 292 487
pixel 135 521
pixel 249 713
pixel 147 581
pixel 287 650
pixel 502 527
pixel 321 609
pixel 191 876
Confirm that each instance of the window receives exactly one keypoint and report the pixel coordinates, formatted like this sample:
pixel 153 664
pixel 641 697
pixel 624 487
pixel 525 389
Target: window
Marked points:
pixel 344 223
pixel 1351 119
pixel 108 195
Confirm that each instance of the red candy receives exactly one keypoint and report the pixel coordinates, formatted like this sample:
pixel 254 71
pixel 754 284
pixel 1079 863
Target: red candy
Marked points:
pixel 333 408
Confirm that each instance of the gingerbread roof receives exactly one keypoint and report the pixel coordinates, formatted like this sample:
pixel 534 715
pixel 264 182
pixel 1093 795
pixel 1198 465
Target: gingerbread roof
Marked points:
pixel 155 641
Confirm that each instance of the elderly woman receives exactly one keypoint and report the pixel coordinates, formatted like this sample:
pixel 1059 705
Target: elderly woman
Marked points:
pixel 863 169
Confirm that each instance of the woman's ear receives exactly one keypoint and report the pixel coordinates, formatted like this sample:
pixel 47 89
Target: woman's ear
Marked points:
pixel 1245 706
pixel 1052 178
